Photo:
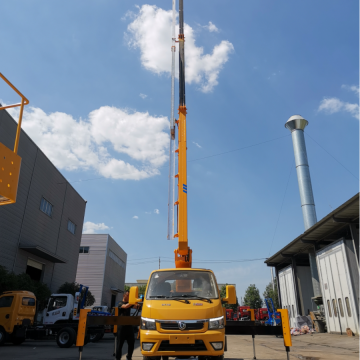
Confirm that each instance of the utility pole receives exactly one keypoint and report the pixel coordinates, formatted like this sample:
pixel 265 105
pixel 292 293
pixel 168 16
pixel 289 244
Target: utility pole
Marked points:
pixel 272 279
pixel 159 262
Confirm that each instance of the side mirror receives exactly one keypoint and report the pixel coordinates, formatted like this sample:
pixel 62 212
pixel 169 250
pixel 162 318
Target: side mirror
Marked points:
pixel 134 296
pixel 230 295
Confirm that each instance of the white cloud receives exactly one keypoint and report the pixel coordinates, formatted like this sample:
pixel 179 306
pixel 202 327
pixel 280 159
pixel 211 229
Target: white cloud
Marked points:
pixel 135 217
pixel 143 96
pixel 91 228
pixel 199 146
pixel 211 27
pixel 157 211
pixel 116 143
pixel 353 88
pixel 150 32
pixel 334 105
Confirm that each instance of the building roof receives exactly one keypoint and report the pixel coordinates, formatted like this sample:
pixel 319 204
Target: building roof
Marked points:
pixel 329 229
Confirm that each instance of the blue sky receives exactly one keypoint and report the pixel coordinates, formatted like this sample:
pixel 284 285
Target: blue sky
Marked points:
pixel 251 65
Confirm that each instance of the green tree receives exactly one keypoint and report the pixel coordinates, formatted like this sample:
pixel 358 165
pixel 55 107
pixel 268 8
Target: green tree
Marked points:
pixel 142 289
pixel 252 297
pixel 72 288
pixel 223 295
pixel 13 282
pixel 126 288
pixel 270 293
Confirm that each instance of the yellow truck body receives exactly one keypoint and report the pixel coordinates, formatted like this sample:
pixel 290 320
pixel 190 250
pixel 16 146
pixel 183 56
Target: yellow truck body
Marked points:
pixel 17 311
pixel 179 322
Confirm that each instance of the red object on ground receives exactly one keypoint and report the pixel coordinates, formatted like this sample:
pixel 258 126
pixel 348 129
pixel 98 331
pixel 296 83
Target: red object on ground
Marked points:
pixel 244 311
pixel 229 314
pixel 261 314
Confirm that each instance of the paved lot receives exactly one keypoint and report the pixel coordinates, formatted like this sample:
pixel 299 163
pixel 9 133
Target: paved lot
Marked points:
pixel 305 347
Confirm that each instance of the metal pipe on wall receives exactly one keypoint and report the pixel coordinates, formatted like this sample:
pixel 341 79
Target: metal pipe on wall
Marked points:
pixel 296 124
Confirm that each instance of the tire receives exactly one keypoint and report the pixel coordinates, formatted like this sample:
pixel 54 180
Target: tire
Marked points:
pixel 17 341
pixel 2 336
pixel 66 337
pixel 96 337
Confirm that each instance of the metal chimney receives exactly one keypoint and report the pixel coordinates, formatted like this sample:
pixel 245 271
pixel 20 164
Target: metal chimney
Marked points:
pixel 296 124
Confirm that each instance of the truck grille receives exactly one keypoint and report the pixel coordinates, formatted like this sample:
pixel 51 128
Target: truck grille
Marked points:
pixel 189 326
pixel 198 346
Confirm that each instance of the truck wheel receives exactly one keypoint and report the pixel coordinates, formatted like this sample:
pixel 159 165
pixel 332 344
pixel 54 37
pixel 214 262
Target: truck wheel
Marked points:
pixel 96 337
pixel 66 337
pixel 2 336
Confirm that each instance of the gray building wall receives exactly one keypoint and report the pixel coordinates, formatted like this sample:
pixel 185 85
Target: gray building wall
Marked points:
pixel 98 270
pixel 23 223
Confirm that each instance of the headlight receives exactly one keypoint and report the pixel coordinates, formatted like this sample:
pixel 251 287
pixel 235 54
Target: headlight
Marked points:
pixel 148 324
pixel 216 323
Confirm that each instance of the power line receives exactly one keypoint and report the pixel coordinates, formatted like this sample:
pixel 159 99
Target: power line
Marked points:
pixel 282 203
pixel 202 158
pixel 332 156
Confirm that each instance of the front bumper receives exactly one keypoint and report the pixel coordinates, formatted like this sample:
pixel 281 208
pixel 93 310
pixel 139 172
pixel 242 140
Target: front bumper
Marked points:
pixel 181 344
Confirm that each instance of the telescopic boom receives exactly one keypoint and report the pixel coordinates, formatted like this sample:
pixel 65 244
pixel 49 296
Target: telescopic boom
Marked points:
pixel 183 254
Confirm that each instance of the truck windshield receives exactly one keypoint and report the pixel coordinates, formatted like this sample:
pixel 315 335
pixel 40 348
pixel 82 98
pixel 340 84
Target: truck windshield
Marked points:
pixel 182 283
pixel 57 302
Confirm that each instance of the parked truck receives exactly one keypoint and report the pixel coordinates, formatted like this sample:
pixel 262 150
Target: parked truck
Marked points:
pixel 60 320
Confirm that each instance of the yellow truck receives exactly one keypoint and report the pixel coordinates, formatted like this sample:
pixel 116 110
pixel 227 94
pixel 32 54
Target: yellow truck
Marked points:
pixel 17 313
pixel 182 314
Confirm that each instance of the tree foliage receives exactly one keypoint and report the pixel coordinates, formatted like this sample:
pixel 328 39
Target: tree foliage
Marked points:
pixel 142 289
pixel 252 297
pixel 72 288
pixel 270 293
pixel 10 281
pixel 223 295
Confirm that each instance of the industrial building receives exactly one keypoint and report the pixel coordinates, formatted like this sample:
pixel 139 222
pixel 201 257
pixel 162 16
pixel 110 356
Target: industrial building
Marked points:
pixel 319 270
pixel 40 234
pixel 102 267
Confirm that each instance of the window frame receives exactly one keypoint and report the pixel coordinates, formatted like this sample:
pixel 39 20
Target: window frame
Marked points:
pixel 334 307
pixel 46 206
pixel 348 307
pixel 75 226
pixel 11 302
pixel 83 248
pixel 329 308
pixel 341 307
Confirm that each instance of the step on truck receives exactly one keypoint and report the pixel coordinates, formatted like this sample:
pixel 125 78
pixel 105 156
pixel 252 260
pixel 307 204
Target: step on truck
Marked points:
pixel 60 320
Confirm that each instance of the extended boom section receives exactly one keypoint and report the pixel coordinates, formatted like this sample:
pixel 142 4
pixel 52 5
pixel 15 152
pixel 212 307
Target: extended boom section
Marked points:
pixel 183 254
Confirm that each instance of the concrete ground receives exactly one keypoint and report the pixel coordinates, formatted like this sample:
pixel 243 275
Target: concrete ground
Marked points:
pixel 305 347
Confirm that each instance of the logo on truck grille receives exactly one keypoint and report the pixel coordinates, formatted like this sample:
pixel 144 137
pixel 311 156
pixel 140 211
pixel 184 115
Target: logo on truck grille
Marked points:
pixel 181 325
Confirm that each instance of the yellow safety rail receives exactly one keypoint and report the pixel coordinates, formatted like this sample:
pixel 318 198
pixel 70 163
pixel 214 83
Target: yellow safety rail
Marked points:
pixel 10 161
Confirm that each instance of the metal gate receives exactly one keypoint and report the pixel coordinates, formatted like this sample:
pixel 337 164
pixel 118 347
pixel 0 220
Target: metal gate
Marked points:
pixel 337 291
pixel 288 295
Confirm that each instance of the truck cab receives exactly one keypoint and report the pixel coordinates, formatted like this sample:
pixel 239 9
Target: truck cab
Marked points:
pixel 182 314
pixel 61 308
pixel 17 312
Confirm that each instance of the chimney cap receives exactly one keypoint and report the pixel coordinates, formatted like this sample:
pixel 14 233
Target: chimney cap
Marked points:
pixel 296 122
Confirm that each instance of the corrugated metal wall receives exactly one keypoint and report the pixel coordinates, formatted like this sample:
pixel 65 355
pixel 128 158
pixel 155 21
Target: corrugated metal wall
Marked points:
pixel 24 222
pixel 91 266
pixel 114 273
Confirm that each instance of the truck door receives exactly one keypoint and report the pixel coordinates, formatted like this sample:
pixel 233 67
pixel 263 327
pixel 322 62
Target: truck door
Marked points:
pixel 59 308
pixel 6 309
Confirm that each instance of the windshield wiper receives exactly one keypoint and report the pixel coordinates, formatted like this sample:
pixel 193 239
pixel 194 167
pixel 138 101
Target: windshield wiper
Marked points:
pixel 197 297
pixel 169 297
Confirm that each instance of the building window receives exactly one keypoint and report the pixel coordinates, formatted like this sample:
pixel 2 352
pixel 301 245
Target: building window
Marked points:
pixel 341 308
pixel 334 307
pixel 71 227
pixel 348 306
pixel 46 207
pixel 117 259
pixel 84 249
pixel 329 308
